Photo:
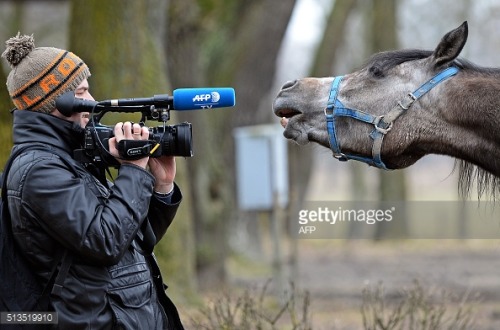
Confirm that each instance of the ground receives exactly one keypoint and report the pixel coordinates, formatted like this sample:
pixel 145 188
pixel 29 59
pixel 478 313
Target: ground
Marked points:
pixel 335 274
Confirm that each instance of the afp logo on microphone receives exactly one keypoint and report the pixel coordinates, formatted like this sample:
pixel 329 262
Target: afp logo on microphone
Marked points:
pixel 212 97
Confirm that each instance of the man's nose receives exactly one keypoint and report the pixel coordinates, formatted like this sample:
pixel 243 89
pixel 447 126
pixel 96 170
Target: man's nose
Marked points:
pixel 89 96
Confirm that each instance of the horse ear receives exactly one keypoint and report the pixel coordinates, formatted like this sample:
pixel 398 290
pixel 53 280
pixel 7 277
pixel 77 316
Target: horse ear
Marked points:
pixel 451 45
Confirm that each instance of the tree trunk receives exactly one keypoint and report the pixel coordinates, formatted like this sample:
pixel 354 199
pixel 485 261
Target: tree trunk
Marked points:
pixel 14 24
pixel 234 47
pixel 392 184
pixel 333 38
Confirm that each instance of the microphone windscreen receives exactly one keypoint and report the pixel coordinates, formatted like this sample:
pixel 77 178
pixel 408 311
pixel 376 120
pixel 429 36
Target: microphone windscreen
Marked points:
pixel 203 98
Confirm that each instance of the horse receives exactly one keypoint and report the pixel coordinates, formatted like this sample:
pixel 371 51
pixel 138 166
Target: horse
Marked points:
pixel 400 106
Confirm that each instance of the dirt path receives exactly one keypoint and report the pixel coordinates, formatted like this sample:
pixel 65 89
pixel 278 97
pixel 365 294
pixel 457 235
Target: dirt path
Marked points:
pixel 335 272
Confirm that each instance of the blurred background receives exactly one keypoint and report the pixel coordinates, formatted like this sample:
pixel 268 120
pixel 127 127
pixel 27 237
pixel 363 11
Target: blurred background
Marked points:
pixel 229 240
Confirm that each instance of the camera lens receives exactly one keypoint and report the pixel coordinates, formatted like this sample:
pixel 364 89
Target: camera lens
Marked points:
pixel 184 140
pixel 176 140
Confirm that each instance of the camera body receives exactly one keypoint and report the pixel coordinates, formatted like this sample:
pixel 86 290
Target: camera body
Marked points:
pixel 164 140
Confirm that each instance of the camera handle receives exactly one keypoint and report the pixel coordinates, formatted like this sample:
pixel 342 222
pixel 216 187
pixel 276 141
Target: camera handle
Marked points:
pixel 136 149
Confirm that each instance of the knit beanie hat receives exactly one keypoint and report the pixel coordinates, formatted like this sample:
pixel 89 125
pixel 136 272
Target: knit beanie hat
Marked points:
pixel 40 75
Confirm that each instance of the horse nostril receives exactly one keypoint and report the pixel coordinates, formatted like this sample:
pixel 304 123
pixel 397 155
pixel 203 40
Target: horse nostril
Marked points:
pixel 289 84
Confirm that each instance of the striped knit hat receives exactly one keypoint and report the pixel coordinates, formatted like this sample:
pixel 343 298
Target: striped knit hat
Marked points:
pixel 40 75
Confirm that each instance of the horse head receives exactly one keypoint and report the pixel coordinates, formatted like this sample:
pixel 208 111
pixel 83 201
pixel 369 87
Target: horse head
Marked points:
pixel 389 113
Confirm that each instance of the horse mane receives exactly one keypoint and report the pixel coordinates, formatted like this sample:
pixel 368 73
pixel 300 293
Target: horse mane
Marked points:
pixel 468 173
pixel 486 183
pixel 389 59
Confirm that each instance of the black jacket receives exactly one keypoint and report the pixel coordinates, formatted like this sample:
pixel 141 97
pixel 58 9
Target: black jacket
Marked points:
pixel 114 281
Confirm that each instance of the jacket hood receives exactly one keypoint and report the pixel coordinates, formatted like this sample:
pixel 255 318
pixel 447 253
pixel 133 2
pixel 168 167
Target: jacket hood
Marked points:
pixel 35 127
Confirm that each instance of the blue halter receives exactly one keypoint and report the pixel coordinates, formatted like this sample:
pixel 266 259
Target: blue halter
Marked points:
pixel 383 124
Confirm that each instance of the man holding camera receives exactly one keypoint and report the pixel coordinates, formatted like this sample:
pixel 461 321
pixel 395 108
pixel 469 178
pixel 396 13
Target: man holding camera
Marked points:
pixel 107 231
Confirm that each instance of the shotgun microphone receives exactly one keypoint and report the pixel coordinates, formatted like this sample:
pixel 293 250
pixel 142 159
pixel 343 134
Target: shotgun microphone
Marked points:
pixel 183 99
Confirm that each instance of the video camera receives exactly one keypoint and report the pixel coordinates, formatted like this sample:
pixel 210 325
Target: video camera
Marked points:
pixel 164 140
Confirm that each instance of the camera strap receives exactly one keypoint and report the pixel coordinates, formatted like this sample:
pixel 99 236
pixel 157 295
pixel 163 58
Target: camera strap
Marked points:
pixel 136 149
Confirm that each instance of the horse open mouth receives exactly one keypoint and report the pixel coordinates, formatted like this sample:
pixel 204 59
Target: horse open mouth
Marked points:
pixel 284 108
pixel 285 114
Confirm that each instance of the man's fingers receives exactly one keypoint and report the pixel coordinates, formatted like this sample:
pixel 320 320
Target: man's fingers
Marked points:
pixel 119 131
pixel 136 129
pixel 130 131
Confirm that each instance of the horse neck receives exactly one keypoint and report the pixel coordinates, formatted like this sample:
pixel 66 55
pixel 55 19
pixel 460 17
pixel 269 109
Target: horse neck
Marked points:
pixel 472 116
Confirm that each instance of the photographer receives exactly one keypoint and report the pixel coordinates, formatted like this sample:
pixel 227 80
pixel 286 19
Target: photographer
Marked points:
pixel 107 231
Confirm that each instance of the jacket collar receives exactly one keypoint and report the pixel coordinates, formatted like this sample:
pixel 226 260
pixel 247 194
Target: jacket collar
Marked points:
pixel 36 127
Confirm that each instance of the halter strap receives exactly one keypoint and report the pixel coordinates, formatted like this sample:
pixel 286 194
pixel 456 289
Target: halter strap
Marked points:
pixel 330 118
pixel 383 124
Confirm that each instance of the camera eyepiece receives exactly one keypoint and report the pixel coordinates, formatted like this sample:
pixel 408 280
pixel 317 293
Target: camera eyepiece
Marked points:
pixel 68 104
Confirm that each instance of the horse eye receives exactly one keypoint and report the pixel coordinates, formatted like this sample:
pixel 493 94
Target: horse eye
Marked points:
pixel 376 72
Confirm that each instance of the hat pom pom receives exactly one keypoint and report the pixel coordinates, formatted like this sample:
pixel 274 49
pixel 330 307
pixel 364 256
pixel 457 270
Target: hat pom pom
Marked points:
pixel 17 48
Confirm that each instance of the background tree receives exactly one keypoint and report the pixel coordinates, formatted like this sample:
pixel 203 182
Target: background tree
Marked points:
pixel 300 164
pixel 12 24
pixel 382 36
pixel 5 121
pixel 326 56
pixel 337 52
pixel 235 47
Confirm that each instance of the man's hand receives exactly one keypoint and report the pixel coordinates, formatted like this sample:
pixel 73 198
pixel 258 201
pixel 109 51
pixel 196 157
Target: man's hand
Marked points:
pixel 127 131
pixel 163 169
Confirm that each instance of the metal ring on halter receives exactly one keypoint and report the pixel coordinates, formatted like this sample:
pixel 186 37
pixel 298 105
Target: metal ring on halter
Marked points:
pixel 328 108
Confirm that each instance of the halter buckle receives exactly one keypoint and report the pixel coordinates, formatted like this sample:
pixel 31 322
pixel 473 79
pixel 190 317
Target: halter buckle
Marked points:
pixel 341 157
pixel 408 103
pixel 382 129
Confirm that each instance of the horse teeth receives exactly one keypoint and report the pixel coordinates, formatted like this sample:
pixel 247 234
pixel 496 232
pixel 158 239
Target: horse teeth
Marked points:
pixel 283 122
